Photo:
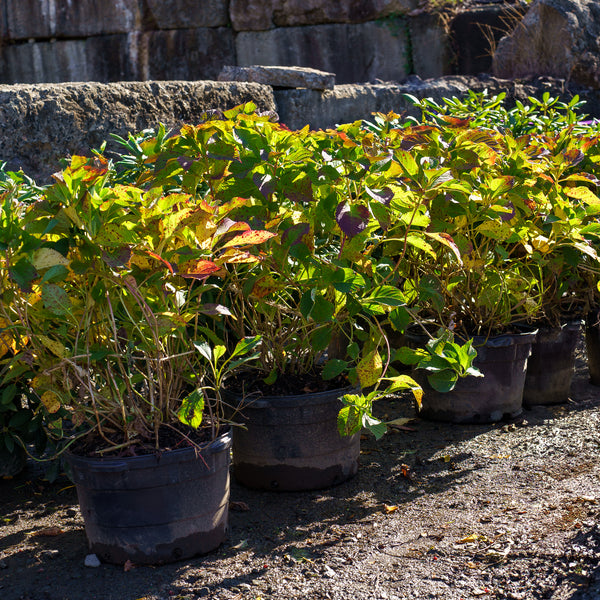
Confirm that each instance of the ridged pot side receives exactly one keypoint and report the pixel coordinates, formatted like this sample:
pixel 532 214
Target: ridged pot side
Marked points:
pixel 551 365
pixel 493 397
pixel 155 508
pixel 292 443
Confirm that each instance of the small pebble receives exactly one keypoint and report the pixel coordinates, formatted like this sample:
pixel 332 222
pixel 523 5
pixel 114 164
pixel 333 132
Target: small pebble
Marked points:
pixel 91 560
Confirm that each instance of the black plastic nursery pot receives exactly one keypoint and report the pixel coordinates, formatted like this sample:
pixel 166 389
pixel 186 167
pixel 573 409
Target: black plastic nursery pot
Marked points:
pixel 12 463
pixel 157 508
pixel 291 443
pixel 592 345
pixel 551 365
pixel 495 396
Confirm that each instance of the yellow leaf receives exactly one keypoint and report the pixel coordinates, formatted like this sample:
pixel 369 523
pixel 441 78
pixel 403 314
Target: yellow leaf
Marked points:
pixel 541 244
pixel 55 347
pixel 390 508
pixel 470 539
pixel 582 193
pixel 7 341
pixel 51 401
pixel 369 369
pixel 44 258
pixel 418 394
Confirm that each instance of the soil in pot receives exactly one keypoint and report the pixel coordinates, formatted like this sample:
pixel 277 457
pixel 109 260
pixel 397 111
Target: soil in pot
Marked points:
pixel 291 443
pixel 551 365
pixel 155 508
pixel 495 396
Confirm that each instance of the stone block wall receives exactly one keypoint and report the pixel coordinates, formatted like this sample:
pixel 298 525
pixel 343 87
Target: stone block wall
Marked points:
pixel 128 40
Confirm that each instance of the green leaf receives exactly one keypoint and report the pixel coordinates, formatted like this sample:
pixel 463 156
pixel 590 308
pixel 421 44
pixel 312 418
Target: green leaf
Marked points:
pixel 334 367
pixel 408 356
pixel 271 378
pixel 55 299
pixel 204 349
pixel 246 345
pixel 400 318
pixel 442 381
pixel 55 273
pixel 192 409
pixel 375 426
pixel 320 338
pixel 23 273
pixel 349 420
pixel 322 310
pixel 218 351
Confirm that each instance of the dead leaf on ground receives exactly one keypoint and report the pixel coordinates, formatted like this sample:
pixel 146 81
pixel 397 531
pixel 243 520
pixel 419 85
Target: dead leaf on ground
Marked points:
pixel 399 424
pixel 390 508
pixel 48 532
pixel 128 566
pixel 239 506
pixel 243 544
pixel 471 539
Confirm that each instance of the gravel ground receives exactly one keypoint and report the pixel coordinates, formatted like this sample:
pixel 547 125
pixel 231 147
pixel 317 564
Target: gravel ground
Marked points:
pixel 507 510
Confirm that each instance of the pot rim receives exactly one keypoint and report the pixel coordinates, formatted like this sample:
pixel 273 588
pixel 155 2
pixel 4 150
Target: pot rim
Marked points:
pixel 220 443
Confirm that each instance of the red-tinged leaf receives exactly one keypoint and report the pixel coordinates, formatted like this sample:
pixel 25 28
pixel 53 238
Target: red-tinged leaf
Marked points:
pixel 454 121
pixel 447 240
pixel 348 143
pixel 582 193
pixel 265 286
pixel 161 259
pixel 235 256
pixel 228 225
pixel 249 238
pixel 351 219
pixel 199 269
pixel 573 156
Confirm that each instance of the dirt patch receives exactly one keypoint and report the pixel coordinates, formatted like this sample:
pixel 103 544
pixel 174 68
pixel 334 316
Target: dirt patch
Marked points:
pixel 508 510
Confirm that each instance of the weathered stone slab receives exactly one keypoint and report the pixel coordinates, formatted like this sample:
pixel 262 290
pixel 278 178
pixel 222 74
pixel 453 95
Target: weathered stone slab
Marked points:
pixel 362 52
pixel 69 18
pixel 42 123
pixel 282 77
pixel 431 46
pixel 101 58
pixel 186 53
pixel 349 103
pixel 188 14
pixel 560 38
pixel 257 15
pixel 479 29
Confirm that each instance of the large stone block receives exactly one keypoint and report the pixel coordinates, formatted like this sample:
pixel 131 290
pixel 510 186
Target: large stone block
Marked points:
pixel 559 38
pixel 362 52
pixel 256 15
pixel 476 33
pixel 188 14
pixel 69 18
pixel 186 53
pixel 41 124
pixel 101 58
pixel 349 103
pixel 282 77
pixel 432 54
